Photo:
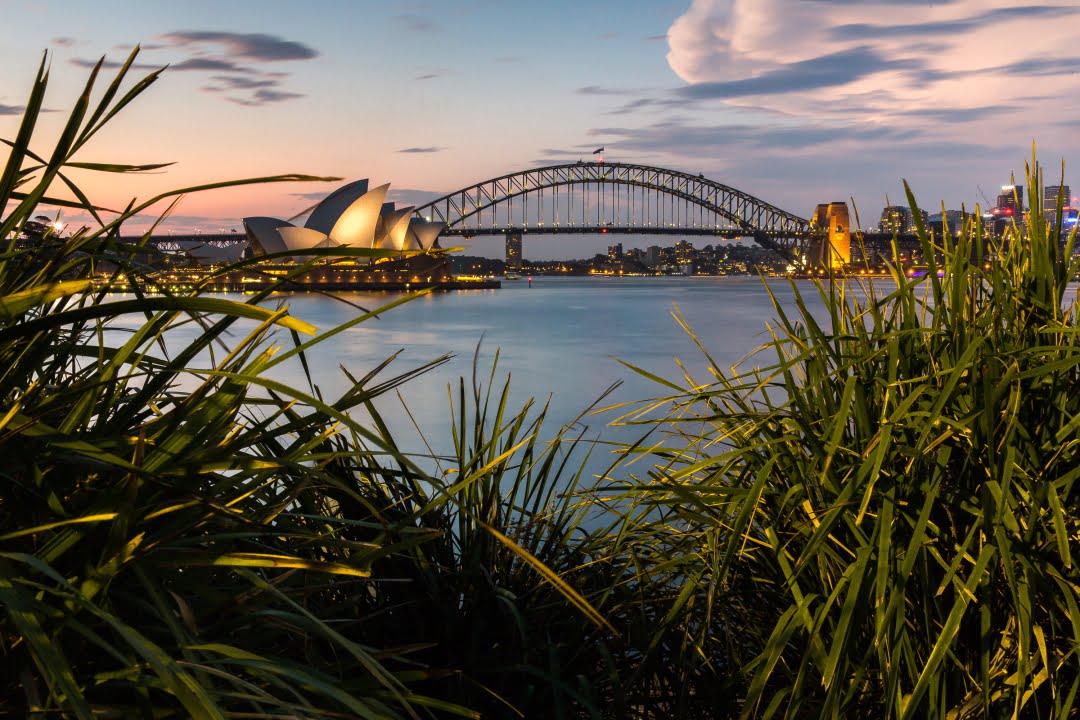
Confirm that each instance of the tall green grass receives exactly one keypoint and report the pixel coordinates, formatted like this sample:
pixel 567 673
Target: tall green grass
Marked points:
pixel 183 536
pixel 877 521
pixel 881 520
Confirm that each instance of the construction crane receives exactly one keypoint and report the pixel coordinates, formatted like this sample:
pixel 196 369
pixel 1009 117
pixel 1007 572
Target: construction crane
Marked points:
pixel 985 199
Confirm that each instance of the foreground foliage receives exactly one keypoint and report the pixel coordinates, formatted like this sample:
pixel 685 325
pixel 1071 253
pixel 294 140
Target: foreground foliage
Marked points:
pixel 878 520
pixel 183 536
pixel 882 521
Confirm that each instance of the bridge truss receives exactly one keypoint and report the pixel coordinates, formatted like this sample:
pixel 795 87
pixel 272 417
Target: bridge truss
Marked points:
pixel 593 197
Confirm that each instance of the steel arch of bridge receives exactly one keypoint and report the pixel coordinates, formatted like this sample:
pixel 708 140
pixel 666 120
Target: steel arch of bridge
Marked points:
pixel 745 214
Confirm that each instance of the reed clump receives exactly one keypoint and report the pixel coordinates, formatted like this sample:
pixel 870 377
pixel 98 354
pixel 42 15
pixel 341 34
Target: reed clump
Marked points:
pixel 183 536
pixel 880 518
pixel 876 520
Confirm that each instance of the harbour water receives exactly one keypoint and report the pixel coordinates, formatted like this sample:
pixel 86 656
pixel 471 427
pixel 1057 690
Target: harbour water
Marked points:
pixel 559 340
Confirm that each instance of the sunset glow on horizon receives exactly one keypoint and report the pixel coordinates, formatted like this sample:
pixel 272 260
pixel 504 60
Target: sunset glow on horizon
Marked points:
pixel 796 103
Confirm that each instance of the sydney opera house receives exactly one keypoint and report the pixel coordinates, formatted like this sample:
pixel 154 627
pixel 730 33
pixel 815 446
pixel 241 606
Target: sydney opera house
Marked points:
pixel 400 249
pixel 353 216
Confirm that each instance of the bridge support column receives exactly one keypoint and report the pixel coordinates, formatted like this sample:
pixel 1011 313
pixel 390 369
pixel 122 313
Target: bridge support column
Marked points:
pixel 513 250
pixel 835 248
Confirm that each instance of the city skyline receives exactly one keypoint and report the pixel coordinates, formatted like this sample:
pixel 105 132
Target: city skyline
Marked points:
pixel 795 103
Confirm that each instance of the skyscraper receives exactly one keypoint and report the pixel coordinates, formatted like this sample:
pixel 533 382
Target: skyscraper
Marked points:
pixel 513 251
pixel 1009 208
pixel 895 219
pixel 1050 196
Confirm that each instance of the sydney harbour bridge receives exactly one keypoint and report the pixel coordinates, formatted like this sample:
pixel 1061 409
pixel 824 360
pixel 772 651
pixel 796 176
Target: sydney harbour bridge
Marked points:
pixel 621 198
pixel 587 198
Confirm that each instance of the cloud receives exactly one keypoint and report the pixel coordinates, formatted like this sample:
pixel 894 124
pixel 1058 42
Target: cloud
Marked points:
pixel 991 18
pixel 597 90
pixel 416 198
pixel 11 109
pixel 415 23
pixel 421 150
pixel 234 63
pixel 797 166
pixel 249 46
pixel 706 140
pixel 839 68
pixel 314 196
pixel 865 3
pixel 932 71
pixel 265 96
pixel 203 64
pixel 433 73
pixel 1041 67
pixel 548 155
pixel 232 82
pixel 107 64
pixel 962 115
pixel 583 152
pixel 64 41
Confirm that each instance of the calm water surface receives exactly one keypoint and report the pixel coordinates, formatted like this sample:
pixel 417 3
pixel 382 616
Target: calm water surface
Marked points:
pixel 558 338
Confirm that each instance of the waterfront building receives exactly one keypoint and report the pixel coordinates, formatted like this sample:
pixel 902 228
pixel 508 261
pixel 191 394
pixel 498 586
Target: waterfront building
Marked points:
pixel 615 252
pixel 897 219
pixel 652 255
pixel 684 252
pixel 354 216
pixel 513 251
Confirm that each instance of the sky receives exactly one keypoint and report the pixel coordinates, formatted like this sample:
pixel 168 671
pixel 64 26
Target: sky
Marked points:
pixel 796 102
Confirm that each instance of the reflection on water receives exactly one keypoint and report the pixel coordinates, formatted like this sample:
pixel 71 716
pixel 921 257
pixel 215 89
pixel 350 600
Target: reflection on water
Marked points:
pixel 558 338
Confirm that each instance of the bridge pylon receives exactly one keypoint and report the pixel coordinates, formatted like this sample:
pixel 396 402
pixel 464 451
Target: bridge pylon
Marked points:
pixel 833 223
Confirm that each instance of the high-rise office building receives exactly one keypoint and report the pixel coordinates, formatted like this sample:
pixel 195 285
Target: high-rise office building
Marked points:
pixel 513 251
pixel 684 251
pixel 1051 195
pixel 895 219
pixel 1009 208
pixel 1011 201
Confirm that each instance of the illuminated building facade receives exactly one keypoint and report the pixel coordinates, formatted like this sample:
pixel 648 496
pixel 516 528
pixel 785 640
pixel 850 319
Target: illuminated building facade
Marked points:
pixel 513 251
pixel 684 252
pixel 355 216
pixel 952 221
pixel 896 219
pixel 1051 195
pixel 1009 208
